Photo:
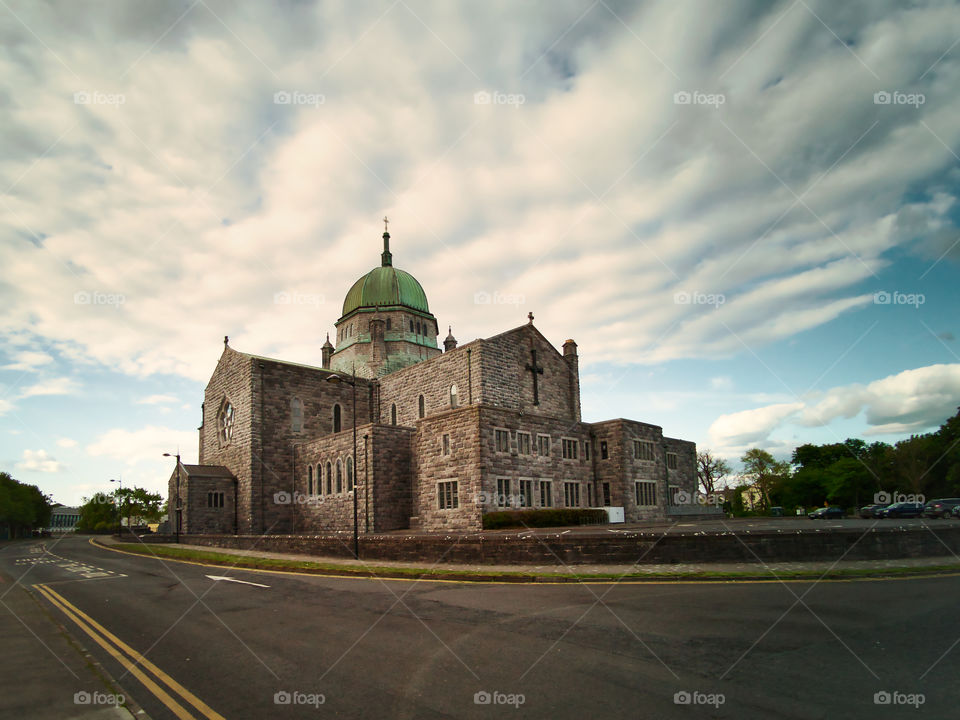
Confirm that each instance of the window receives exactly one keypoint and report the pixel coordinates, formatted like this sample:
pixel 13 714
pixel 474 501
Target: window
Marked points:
pixel 674 489
pixel 448 497
pixel 329 480
pixel 319 479
pixel 502 440
pixel 503 492
pixel 226 422
pixel 446 444
pixel 418 328
pixel 543 445
pixel 569 449
pixel 296 415
pixel 411 326
pixel 453 396
pixel 526 493
pixel 310 480
pixel 388 323
pixel 422 406
pixel 571 494
pixel 546 493
pixel 586 449
pixel 671 461
pixel 339 477
pixel 646 493
pixel 589 494
pixel 523 443
pixel 603 450
pixel 643 450
pixel 214 499
pixel 349 474
pixel 606 494
pixel 336 418
pixel 393 414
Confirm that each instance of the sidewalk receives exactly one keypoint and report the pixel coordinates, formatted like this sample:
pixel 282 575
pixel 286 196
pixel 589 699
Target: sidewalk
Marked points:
pixel 746 570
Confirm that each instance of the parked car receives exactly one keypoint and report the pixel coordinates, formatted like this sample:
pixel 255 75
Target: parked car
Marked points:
pixel 826 512
pixel 942 508
pixel 903 510
pixel 873 511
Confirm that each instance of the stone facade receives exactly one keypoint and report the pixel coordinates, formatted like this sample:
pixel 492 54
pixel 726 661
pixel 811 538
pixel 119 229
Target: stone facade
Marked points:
pixel 442 437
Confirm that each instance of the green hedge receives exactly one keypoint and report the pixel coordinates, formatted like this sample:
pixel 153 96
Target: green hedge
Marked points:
pixel 552 517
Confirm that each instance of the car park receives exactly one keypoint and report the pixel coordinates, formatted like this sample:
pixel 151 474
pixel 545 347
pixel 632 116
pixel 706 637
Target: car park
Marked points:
pixel 825 513
pixel 942 508
pixel 904 510
pixel 873 511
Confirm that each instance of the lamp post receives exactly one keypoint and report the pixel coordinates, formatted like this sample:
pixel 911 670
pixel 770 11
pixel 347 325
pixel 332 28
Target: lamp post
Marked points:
pixel 352 382
pixel 119 496
pixel 177 509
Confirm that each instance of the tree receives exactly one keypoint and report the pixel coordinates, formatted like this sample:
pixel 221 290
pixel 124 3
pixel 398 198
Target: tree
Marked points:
pixel 760 468
pixel 140 504
pixel 710 471
pixel 23 508
pixel 98 514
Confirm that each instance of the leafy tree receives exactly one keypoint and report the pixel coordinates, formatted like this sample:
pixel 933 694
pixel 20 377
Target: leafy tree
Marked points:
pixel 23 508
pixel 140 504
pixel 98 514
pixel 764 472
pixel 710 471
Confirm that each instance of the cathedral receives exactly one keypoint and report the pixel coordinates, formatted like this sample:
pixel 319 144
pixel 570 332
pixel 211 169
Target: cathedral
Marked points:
pixel 410 436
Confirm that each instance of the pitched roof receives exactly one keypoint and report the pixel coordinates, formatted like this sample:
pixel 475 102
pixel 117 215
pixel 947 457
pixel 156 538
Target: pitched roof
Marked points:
pixel 207 471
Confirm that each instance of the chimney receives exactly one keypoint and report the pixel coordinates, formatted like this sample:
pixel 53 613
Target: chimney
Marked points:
pixel 573 362
pixel 327 353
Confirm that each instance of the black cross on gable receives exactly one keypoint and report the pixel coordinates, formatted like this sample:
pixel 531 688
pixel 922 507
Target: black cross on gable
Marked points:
pixel 535 370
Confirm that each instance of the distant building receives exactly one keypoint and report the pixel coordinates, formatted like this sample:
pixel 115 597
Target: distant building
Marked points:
pixel 64 519
pixel 443 436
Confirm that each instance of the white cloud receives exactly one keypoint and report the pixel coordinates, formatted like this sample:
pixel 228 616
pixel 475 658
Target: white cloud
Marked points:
pixel 55 386
pixel 145 445
pixel 28 361
pixel 747 428
pixel 67 442
pixel 39 461
pixel 157 400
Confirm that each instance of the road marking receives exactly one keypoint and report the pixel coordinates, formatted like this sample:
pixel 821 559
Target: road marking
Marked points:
pixel 230 579
pixel 104 640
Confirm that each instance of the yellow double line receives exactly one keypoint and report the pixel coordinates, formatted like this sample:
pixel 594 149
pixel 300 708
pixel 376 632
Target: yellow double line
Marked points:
pixel 116 648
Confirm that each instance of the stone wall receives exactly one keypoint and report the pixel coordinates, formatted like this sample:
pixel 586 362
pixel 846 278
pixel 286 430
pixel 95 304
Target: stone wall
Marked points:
pixel 199 515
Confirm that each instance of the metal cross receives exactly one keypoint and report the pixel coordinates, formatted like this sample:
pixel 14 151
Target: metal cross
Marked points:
pixel 385 222
pixel 535 370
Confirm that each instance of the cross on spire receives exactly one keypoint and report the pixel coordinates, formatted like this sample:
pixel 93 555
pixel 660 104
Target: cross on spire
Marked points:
pixel 386 257
pixel 385 223
pixel 535 370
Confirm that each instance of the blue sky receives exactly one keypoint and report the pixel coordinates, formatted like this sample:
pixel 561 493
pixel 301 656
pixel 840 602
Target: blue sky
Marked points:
pixel 744 212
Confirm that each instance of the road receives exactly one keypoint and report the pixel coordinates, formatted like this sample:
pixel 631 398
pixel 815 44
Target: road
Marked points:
pixel 362 648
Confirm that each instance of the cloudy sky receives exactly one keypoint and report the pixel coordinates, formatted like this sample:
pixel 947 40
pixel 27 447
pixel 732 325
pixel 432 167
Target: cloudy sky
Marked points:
pixel 744 212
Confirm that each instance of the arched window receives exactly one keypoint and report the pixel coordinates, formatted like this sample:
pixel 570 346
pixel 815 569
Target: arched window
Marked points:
pixel 225 422
pixel 339 476
pixel 393 414
pixel 418 328
pixel 309 479
pixel 296 415
pixel 319 479
pixel 349 474
pixel 422 403
pixel 329 480
pixel 453 395
pixel 388 323
pixel 411 326
pixel 336 418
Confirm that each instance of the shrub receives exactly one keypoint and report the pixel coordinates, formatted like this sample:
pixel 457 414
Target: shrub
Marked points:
pixel 550 517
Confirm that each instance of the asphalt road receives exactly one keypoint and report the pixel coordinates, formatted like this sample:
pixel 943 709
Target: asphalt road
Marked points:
pixel 402 649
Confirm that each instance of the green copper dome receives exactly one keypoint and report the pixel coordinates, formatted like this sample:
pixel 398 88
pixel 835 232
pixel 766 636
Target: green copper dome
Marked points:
pixel 385 286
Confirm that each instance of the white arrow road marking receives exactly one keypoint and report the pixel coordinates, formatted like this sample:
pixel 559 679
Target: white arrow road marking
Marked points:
pixel 230 579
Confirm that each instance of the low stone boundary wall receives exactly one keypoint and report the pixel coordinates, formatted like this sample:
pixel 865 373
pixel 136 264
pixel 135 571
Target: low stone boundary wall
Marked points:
pixel 619 548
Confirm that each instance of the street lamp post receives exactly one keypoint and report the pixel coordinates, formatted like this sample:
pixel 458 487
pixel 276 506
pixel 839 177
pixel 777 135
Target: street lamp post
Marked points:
pixel 119 497
pixel 177 509
pixel 352 382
